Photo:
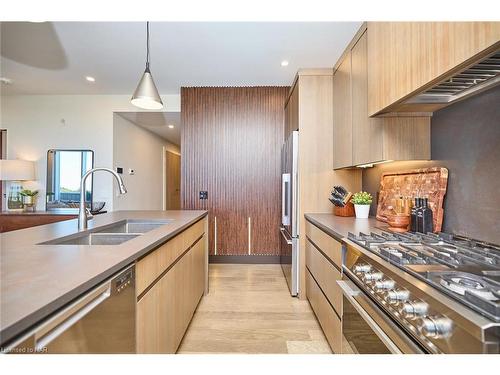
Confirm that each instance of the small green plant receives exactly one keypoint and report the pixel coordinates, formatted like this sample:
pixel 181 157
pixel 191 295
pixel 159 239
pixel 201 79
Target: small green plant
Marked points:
pixel 28 193
pixel 361 198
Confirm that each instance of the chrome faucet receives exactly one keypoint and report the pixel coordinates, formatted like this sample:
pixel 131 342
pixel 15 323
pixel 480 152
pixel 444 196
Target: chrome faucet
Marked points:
pixel 82 214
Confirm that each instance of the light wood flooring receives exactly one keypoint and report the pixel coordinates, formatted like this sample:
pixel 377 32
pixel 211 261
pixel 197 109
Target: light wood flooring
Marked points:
pixel 249 310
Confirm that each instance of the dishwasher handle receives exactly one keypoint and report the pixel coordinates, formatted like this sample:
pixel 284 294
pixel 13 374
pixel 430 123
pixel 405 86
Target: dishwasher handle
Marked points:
pixel 67 318
pixel 350 291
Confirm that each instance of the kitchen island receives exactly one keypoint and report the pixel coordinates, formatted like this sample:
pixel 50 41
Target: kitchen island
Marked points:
pixel 39 279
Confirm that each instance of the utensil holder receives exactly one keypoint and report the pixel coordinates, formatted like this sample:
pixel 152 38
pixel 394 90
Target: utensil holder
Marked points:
pixel 346 211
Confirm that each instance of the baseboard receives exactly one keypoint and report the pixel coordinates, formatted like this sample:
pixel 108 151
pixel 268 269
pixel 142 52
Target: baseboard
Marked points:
pixel 245 259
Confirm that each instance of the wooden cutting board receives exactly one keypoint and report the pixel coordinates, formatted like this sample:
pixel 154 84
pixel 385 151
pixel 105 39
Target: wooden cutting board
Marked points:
pixel 425 183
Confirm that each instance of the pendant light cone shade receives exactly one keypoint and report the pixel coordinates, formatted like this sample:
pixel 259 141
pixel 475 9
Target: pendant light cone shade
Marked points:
pixel 146 94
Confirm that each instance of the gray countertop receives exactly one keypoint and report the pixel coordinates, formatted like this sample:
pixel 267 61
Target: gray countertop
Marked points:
pixel 36 280
pixel 338 226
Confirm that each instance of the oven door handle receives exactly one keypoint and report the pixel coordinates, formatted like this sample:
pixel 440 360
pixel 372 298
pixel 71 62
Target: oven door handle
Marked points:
pixel 350 291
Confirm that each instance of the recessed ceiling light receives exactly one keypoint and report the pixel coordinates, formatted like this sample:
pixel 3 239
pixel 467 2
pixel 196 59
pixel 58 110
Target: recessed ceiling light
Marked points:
pixel 171 126
pixel 90 79
pixel 284 63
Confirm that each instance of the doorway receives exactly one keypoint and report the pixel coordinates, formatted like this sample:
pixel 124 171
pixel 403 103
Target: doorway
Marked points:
pixel 146 149
pixel 172 199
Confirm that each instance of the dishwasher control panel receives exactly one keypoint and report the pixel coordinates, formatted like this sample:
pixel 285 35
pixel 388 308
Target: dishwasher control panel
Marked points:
pixel 124 280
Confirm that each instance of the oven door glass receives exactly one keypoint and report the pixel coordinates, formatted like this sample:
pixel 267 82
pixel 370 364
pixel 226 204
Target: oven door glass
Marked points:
pixel 367 330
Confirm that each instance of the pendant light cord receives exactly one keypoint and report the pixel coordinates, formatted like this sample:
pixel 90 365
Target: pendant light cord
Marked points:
pixel 147 46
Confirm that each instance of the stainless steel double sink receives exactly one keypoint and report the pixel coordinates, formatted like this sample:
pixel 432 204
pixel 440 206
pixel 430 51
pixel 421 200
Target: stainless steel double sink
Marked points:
pixel 111 234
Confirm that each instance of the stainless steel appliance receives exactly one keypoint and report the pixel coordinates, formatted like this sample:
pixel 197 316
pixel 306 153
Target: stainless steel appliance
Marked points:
pixel 289 249
pixel 100 321
pixel 430 293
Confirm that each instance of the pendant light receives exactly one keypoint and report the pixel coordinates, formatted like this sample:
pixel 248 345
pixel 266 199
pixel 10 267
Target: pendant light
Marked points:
pixel 146 94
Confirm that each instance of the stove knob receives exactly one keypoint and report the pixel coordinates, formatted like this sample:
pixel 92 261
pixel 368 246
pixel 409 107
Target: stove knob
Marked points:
pixel 362 268
pixel 384 284
pixel 435 326
pixel 372 276
pixel 397 295
pixel 413 309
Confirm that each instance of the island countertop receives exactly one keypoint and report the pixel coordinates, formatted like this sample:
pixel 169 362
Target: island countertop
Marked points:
pixel 36 280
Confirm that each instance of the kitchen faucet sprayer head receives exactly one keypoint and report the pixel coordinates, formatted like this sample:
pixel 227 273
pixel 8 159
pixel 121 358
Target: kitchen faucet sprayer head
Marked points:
pixel 123 189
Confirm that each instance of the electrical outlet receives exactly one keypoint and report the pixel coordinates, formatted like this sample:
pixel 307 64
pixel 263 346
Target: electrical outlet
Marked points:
pixel 119 170
pixel 203 194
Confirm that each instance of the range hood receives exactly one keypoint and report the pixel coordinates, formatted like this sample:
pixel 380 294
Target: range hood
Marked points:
pixel 478 77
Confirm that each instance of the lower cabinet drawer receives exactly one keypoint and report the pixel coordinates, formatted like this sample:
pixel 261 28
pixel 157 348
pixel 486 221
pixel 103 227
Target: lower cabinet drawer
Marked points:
pixel 326 274
pixel 330 246
pixel 329 321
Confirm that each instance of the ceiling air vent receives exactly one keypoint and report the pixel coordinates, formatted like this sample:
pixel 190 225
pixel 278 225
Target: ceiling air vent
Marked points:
pixel 475 78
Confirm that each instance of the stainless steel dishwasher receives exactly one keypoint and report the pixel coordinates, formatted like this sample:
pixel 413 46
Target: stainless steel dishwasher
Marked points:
pixel 100 321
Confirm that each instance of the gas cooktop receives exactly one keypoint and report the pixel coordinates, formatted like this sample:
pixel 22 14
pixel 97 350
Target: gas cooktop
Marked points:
pixel 464 269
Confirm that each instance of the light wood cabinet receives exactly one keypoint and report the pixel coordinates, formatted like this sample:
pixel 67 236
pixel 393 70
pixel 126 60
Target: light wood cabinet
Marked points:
pixel 292 112
pixel 359 139
pixel 367 132
pixel 326 275
pixel 311 100
pixel 342 115
pixel 323 270
pixel 405 58
pixel 328 245
pixel 166 307
pixel 329 321
pixel 156 262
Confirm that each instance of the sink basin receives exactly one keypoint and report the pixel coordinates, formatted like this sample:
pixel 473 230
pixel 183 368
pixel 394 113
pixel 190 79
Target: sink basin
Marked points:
pixel 132 226
pixel 95 239
pixel 111 234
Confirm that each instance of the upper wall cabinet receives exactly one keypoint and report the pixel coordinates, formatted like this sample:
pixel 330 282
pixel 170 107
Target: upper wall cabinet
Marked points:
pixel 359 139
pixel 342 114
pixel 292 112
pixel 408 58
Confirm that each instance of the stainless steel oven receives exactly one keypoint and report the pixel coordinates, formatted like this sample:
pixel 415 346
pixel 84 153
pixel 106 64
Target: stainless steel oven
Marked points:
pixel 367 329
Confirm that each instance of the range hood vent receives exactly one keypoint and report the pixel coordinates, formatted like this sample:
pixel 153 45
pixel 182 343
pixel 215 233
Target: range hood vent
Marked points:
pixel 476 78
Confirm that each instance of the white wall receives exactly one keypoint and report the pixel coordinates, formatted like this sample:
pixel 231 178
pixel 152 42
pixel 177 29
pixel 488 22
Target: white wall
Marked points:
pixel 34 125
pixel 138 149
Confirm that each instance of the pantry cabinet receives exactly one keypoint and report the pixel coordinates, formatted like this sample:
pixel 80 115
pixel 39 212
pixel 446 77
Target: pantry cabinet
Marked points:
pixel 309 110
pixel 359 139
pixel 169 288
pixel 405 58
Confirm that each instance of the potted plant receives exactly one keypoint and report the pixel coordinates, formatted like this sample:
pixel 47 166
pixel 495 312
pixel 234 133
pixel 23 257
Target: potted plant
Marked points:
pixel 29 197
pixel 362 201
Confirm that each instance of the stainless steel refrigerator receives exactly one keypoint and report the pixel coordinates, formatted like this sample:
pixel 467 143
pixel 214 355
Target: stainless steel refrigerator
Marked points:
pixel 289 248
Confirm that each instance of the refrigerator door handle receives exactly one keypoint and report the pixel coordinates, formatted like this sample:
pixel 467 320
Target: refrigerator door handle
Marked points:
pixel 288 241
pixel 285 198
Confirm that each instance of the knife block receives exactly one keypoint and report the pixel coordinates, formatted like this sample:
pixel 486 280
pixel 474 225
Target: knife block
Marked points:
pixel 346 211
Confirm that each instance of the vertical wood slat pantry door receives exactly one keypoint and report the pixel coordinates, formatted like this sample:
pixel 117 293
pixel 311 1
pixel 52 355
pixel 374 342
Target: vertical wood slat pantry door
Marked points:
pixel 231 147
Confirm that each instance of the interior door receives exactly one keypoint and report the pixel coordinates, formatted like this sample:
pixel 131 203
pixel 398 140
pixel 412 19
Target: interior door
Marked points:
pixel 173 181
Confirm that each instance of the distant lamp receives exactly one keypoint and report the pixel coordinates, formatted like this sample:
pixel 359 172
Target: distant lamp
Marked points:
pixel 14 172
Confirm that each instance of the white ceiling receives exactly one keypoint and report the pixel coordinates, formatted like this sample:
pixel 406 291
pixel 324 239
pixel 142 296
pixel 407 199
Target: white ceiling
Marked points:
pixel 54 58
pixel 157 122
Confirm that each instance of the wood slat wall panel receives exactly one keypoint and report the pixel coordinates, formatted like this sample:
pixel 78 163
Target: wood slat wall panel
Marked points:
pixel 231 147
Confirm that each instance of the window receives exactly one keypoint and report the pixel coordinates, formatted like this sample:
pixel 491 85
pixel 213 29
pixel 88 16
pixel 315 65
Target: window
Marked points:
pixel 65 169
